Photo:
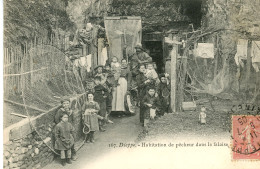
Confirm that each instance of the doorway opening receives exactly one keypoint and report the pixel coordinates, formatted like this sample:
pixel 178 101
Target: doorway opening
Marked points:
pixel 155 50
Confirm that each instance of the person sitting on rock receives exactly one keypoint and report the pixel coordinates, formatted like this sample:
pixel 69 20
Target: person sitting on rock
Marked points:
pixel 64 134
pixel 66 108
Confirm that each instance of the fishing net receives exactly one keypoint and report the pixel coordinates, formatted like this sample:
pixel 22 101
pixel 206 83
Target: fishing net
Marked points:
pixel 47 75
pixel 123 33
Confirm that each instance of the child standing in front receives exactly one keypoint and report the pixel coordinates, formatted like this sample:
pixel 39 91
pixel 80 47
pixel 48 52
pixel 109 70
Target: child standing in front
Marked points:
pixel 150 104
pixel 90 117
pixel 100 96
pixel 163 91
pixel 64 139
pixel 66 108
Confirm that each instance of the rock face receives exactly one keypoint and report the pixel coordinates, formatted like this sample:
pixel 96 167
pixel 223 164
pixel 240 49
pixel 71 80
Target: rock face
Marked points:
pixel 238 20
pixel 32 151
pixel 157 15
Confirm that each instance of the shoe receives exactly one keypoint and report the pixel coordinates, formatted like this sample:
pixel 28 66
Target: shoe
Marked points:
pixel 63 162
pixel 111 122
pixel 74 158
pixel 92 141
pixel 69 161
pixel 102 130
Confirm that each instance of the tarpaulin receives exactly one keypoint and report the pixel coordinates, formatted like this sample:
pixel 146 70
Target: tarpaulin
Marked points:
pixel 121 33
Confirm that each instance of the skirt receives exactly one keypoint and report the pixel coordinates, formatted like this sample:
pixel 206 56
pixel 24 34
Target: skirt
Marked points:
pixel 118 101
pixel 92 121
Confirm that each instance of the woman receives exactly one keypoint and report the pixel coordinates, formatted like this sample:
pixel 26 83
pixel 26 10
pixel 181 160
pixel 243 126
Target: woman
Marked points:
pixel 120 90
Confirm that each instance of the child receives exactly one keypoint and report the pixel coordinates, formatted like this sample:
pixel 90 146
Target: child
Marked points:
pixel 65 108
pixel 115 68
pixel 90 117
pixel 163 91
pixel 115 65
pixel 99 72
pixel 151 73
pixel 110 81
pixel 100 96
pixel 64 139
pixel 150 104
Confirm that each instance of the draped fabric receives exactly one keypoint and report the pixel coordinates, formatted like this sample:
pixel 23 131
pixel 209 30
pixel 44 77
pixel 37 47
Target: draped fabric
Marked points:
pixel 122 32
pixel 256 55
pixel 241 51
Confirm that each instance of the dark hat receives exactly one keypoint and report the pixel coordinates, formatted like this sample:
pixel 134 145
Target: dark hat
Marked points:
pixel 162 75
pixel 98 67
pixel 139 46
pixel 146 63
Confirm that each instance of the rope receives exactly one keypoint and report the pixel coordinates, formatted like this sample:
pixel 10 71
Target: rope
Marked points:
pixel 29 118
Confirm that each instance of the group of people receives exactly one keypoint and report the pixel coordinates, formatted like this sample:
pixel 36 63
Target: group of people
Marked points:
pixel 112 83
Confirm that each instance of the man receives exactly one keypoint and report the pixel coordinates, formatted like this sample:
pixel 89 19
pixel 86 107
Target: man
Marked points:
pixel 140 57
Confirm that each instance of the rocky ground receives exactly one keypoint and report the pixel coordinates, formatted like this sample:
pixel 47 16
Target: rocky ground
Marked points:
pixel 175 140
pixel 187 123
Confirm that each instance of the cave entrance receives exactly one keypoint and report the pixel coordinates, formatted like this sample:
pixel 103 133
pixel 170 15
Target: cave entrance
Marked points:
pixel 155 50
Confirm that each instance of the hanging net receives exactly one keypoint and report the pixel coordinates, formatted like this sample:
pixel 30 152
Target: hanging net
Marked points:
pixel 47 76
pixel 123 33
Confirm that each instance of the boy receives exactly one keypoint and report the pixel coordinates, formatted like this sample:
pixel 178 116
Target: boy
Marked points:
pixel 150 103
pixel 163 91
pixel 64 139
pixel 141 81
pixel 100 96
pixel 110 81
pixel 65 108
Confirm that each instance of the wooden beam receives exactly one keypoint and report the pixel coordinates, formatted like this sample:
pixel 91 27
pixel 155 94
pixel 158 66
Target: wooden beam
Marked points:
pixel 19 115
pixel 30 107
pixel 173 74
pixel 216 58
pixel 248 63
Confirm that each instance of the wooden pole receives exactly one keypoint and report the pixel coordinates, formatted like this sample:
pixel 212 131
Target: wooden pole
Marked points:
pixel 216 58
pixel 248 64
pixel 173 75
pixel 30 107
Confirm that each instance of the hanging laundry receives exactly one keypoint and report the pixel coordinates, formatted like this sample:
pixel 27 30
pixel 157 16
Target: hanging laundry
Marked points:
pixel 204 50
pixel 83 62
pixel 89 62
pixel 255 53
pixel 241 51
pixel 104 56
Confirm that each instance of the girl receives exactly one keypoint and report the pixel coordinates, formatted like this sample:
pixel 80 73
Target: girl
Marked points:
pixel 120 91
pixel 90 117
pixel 163 91
pixel 64 138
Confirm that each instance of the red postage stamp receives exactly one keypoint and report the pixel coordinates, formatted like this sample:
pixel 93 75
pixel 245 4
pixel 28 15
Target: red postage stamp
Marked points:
pixel 246 137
